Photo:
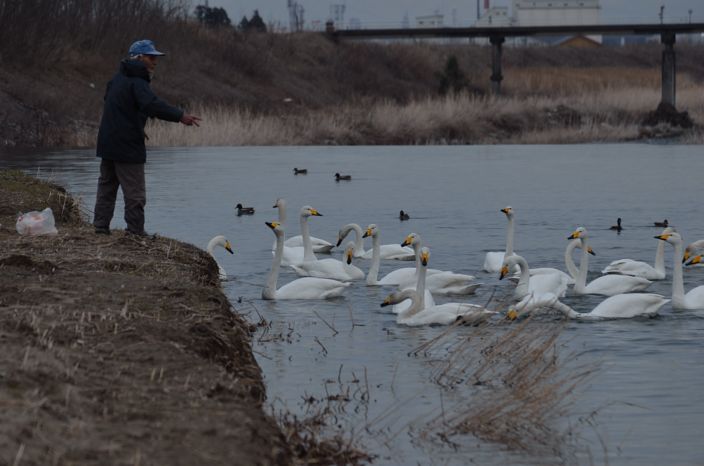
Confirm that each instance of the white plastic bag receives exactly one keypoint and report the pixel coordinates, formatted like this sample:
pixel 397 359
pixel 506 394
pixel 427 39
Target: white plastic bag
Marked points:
pixel 36 223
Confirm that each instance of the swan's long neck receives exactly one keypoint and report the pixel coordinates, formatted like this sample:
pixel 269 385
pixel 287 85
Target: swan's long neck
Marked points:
pixel 282 211
pixel 307 244
pixel 416 248
pixel 580 283
pixel 566 310
pixel 659 265
pixel 358 240
pixel 269 291
pixel 416 304
pixel 211 245
pixel 523 281
pixel 509 237
pixel 569 262
pixel 420 286
pixel 677 279
pixel 373 274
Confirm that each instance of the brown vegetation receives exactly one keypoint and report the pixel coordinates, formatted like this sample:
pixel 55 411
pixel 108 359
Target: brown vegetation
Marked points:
pixel 304 89
pixel 124 350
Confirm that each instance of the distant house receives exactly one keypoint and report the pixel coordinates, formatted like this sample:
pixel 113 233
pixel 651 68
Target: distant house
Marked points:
pixel 578 42
pixel 429 21
pixel 558 13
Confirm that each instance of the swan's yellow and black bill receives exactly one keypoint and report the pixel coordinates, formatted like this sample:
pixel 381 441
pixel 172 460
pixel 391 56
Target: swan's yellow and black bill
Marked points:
pixel 315 212
pixel 663 237
pixel 686 255
pixel 387 302
pixel 348 255
pixel 424 257
pixel 506 210
pixel 504 272
pixel 407 241
pixel 367 233
pixel 695 260
pixel 512 314
pixel 575 234
pixel 591 251
pixel 272 225
pixel 339 241
pixel 228 247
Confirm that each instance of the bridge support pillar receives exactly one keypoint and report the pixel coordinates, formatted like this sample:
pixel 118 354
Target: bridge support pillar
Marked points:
pixel 668 68
pixel 496 77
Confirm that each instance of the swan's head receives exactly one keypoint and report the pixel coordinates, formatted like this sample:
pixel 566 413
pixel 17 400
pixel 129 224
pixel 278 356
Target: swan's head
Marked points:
pixel 349 252
pixel 220 240
pixel 372 230
pixel 508 263
pixel 508 210
pixel 276 227
pixel 579 233
pixel 695 260
pixel 279 203
pixel 424 256
pixel 411 240
pixel 308 211
pixel 342 234
pixel 672 238
pixel 398 296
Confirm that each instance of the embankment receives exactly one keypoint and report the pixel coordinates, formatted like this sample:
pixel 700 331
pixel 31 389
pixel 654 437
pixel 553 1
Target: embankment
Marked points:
pixel 118 350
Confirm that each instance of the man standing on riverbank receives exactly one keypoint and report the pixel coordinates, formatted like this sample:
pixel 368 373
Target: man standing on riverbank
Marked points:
pixel 129 101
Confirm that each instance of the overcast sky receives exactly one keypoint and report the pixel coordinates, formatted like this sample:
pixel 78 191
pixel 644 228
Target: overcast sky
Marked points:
pixel 390 13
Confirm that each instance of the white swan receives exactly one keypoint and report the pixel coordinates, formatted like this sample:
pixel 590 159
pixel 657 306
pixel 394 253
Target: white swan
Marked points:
pixel 301 288
pixel 569 263
pixel 442 314
pixel 494 260
pixel 553 283
pixel 404 274
pixel 386 251
pixel 692 248
pixel 639 268
pixel 318 245
pixel 331 268
pixel 219 240
pixel 607 285
pixel 620 306
pixel 694 299
pixel 425 299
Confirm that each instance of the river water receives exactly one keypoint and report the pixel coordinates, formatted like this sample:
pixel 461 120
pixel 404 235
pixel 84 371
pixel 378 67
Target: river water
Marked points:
pixel 645 399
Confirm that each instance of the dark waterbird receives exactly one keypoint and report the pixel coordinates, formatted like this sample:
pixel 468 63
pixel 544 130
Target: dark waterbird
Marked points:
pixel 339 177
pixel 241 210
pixel 663 224
pixel 403 216
pixel 300 171
pixel 618 226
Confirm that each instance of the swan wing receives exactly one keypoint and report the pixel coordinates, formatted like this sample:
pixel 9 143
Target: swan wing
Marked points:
pixel 626 306
pixel 544 270
pixel 610 285
pixel 319 245
pixel 311 288
pixel 694 299
pixel 329 268
pixel 548 283
pixel 493 261
pixel 633 268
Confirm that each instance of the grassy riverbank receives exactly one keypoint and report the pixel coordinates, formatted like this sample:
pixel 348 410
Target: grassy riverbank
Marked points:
pixel 119 350
pixel 305 89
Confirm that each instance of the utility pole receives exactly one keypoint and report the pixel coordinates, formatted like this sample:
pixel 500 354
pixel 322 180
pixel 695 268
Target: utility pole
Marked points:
pixel 662 12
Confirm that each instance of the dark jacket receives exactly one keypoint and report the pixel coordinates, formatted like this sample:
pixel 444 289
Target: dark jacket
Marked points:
pixel 129 101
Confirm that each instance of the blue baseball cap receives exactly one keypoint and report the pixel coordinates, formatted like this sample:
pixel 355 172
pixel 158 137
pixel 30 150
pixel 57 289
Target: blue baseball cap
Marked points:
pixel 144 47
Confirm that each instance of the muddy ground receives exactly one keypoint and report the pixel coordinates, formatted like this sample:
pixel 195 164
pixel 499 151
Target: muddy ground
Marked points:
pixel 120 350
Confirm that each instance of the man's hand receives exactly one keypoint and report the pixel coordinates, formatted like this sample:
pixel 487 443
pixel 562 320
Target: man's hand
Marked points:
pixel 190 120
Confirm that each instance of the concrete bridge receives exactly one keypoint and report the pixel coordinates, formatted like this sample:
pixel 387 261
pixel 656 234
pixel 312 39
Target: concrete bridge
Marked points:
pixel 497 36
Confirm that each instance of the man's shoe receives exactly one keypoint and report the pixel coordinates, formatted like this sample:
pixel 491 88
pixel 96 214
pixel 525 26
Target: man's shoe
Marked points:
pixel 102 231
pixel 136 233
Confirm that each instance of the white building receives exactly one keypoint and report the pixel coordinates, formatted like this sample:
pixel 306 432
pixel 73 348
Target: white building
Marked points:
pixel 496 16
pixel 555 12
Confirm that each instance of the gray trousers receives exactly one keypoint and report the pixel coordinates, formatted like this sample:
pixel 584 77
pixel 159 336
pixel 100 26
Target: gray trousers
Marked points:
pixel 130 177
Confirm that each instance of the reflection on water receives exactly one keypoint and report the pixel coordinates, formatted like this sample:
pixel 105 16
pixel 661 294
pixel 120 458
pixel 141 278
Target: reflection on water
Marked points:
pixel 647 391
